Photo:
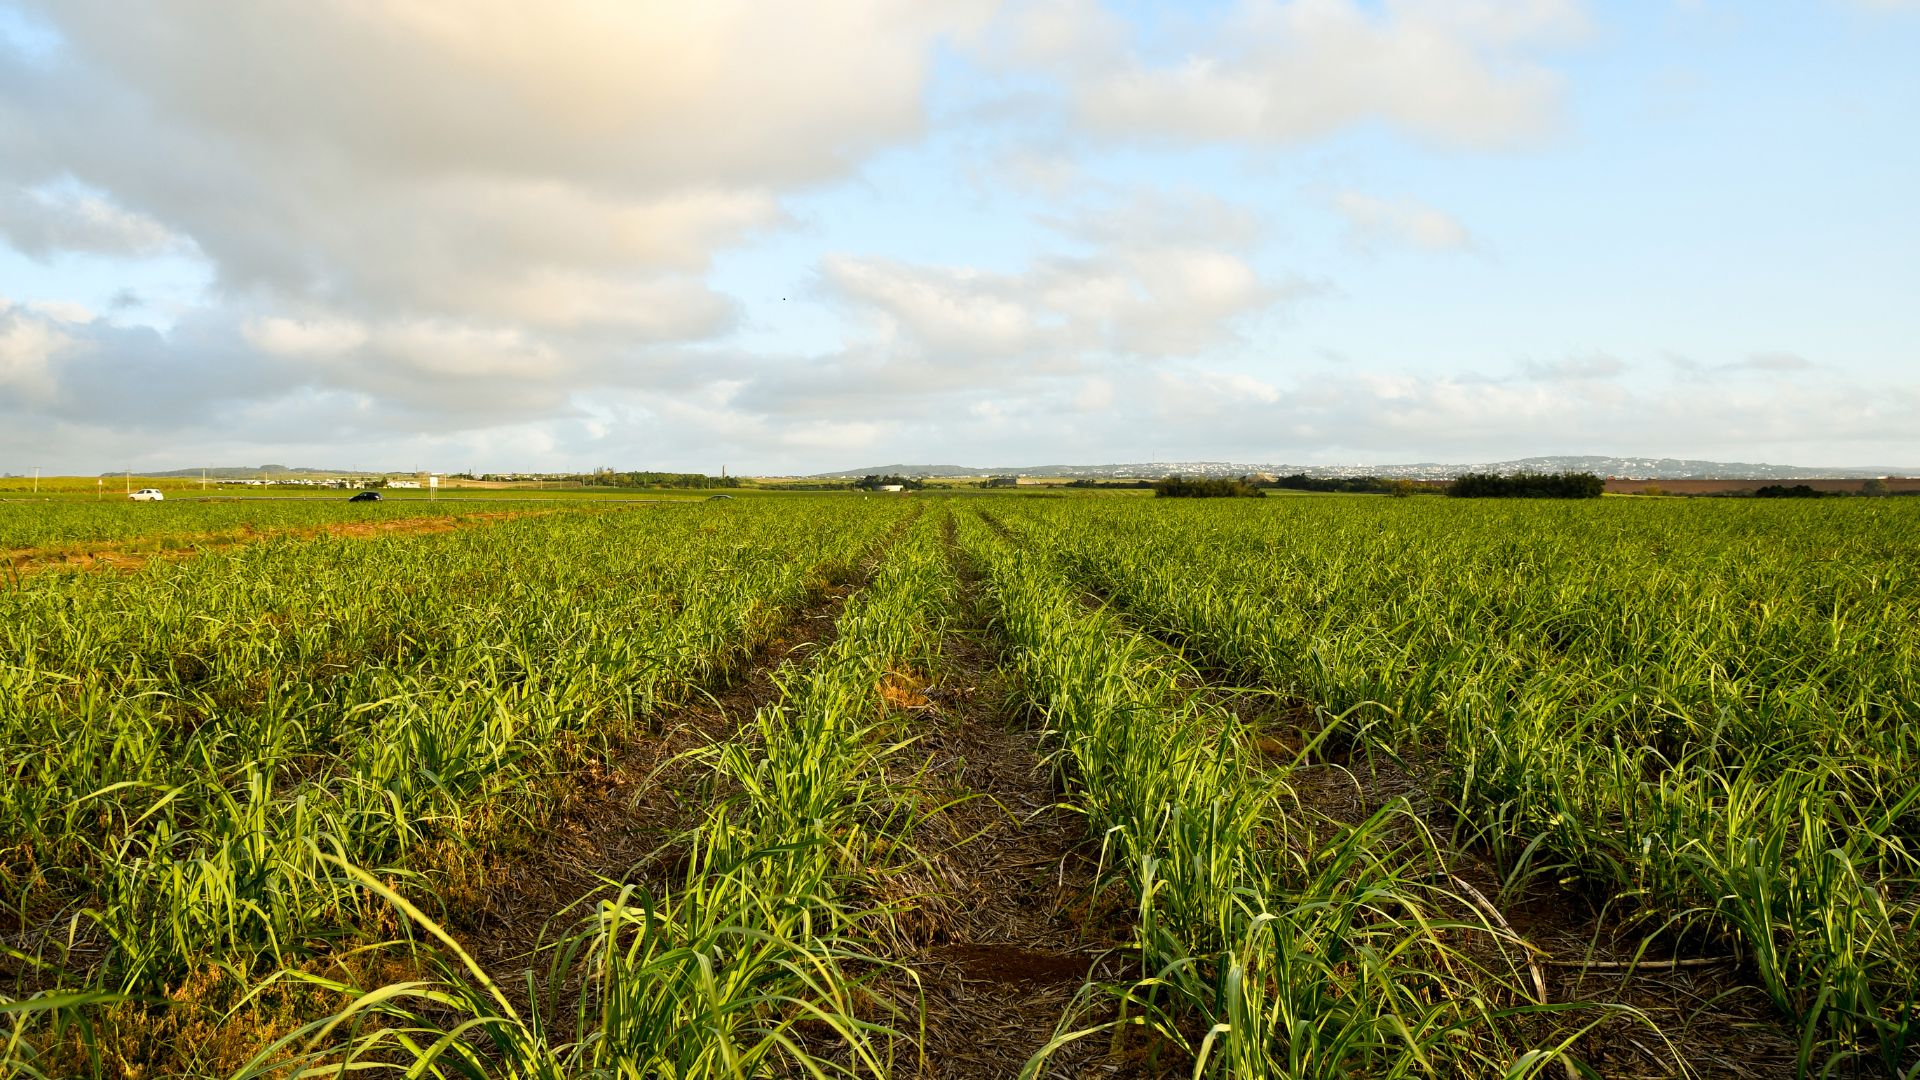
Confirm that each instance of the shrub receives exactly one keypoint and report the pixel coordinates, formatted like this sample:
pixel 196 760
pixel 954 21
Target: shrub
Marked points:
pixel 1564 485
pixel 1362 484
pixel 874 482
pixel 1174 487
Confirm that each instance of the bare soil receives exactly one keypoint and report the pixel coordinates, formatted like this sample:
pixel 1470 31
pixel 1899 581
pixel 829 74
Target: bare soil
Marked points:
pixel 1016 930
pixel 1845 485
pixel 136 553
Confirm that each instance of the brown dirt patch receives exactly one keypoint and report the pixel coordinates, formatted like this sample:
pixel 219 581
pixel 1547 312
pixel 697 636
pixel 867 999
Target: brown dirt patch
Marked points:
pixel 1844 485
pixel 1014 964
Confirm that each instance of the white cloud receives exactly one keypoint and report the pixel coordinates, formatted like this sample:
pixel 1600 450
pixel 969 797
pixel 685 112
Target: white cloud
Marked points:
pixel 294 337
pixel 475 227
pixel 1776 364
pixel 946 310
pixel 1775 361
pixel 1167 275
pixel 1406 416
pixel 1094 395
pixel 51 218
pixel 1409 222
pixel 1575 368
pixel 563 164
pixel 430 215
pixel 63 311
pixel 27 349
pixel 1284 70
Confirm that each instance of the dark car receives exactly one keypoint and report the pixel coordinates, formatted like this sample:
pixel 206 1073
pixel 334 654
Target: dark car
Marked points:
pixel 366 496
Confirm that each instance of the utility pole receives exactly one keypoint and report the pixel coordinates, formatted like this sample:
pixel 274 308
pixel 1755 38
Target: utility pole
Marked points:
pixel 36 480
pixel 129 479
pixel 203 481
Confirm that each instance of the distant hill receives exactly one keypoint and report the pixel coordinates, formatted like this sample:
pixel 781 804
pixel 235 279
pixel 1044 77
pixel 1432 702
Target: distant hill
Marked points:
pixel 1627 467
pixel 247 472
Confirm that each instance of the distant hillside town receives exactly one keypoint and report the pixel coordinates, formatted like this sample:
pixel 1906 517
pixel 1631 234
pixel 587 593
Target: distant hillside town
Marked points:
pixel 1612 468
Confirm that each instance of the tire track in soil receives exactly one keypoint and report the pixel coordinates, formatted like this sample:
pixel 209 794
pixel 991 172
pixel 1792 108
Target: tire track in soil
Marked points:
pixel 1014 927
pixel 621 818
pixel 1722 1027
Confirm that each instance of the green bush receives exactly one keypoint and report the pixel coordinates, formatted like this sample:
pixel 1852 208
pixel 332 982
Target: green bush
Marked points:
pixel 1564 485
pixel 1174 487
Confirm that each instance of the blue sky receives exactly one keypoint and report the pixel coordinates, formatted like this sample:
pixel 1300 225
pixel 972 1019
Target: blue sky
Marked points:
pixel 993 233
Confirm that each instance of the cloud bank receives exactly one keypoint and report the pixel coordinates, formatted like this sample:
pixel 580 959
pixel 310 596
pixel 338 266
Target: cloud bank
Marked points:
pixel 515 233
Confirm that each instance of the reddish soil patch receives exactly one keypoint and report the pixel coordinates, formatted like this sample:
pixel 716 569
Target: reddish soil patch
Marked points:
pixel 1014 964
pixel 133 554
pixel 1847 485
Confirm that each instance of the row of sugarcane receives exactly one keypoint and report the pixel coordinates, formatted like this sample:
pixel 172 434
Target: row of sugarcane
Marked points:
pixel 1272 942
pixel 196 753
pixel 758 957
pixel 1706 714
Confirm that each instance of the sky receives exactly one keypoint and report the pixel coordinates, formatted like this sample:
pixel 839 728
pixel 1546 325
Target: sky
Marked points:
pixel 788 238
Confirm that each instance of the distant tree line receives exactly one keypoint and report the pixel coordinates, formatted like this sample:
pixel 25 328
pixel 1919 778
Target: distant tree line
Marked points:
pixel 1370 485
pixel 874 482
pixel 1562 485
pixel 1872 488
pixel 612 478
pixel 1175 487
pixel 1796 491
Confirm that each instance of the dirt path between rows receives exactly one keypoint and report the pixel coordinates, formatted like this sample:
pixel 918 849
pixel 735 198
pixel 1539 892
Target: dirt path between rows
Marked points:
pixel 621 817
pixel 1013 929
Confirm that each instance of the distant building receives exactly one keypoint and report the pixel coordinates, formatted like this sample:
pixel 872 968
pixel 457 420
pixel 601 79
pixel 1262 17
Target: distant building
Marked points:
pixel 1002 481
pixel 403 483
pixel 892 487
